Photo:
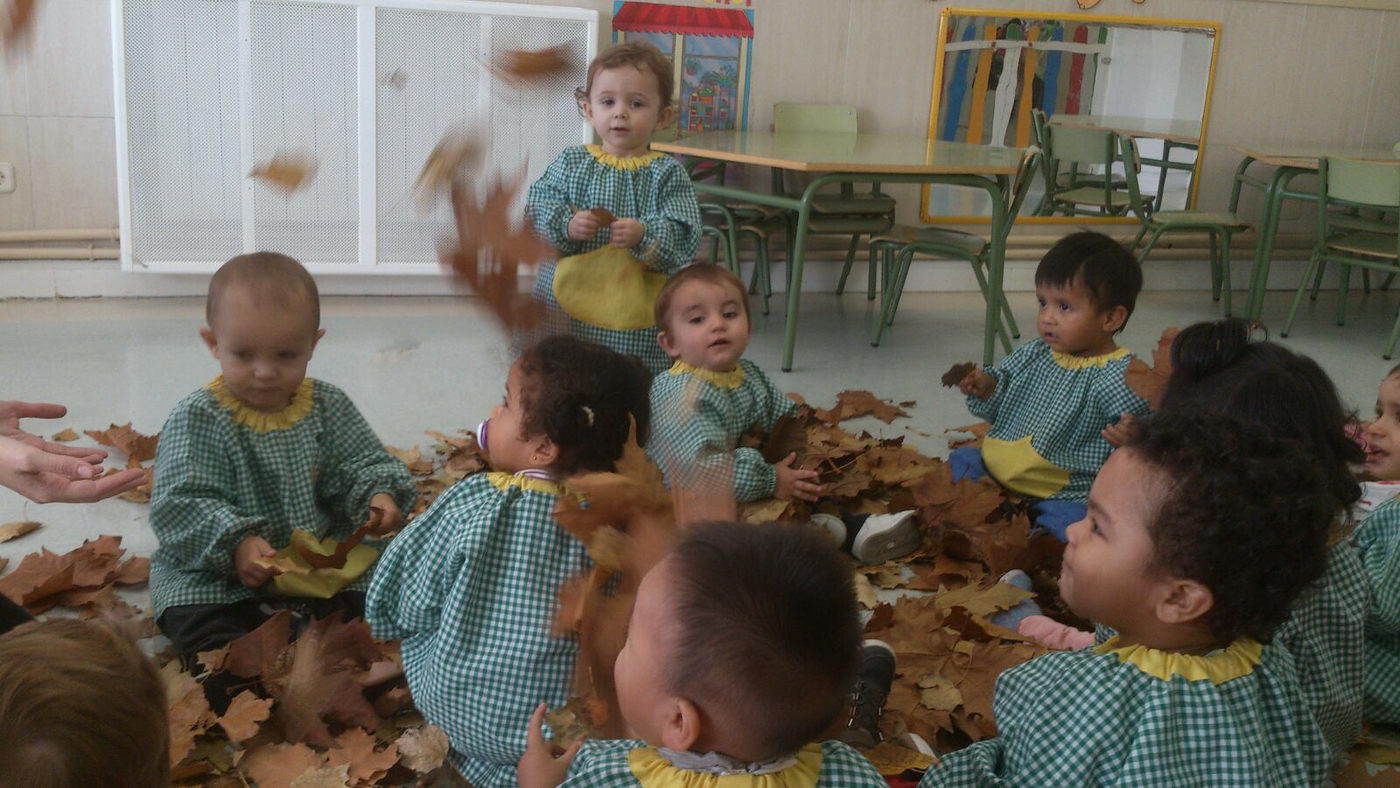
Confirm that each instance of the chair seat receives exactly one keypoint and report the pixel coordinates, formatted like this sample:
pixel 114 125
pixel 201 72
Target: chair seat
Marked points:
pixel 933 236
pixel 860 204
pixel 1093 195
pixel 1374 244
pixel 842 225
pixel 1218 218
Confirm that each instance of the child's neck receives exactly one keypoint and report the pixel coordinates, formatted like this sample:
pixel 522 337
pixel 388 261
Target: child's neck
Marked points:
pixel 1180 639
pixel 1100 347
pixel 626 153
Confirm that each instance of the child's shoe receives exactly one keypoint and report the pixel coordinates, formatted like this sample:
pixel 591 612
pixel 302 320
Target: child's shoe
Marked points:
pixel 1010 618
pixel 832 526
pixel 883 537
pixel 868 698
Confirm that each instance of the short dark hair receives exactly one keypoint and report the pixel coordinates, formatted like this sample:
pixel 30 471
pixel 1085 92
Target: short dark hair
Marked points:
pixel 272 275
pixel 768 630
pixel 1106 268
pixel 1245 513
pixel 1218 368
pixel 644 57
pixel 697 272
pixel 584 397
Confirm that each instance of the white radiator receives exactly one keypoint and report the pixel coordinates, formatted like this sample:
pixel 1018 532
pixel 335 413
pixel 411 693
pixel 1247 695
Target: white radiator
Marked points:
pixel 207 89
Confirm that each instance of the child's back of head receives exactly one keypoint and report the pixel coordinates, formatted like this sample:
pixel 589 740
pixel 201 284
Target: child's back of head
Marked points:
pixel 80 705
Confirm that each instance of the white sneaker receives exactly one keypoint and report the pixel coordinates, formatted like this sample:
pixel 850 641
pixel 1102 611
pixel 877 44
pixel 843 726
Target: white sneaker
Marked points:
pixel 887 536
pixel 832 526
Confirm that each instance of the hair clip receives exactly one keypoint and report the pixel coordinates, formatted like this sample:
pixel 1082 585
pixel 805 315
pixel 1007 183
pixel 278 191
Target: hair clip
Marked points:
pixel 587 411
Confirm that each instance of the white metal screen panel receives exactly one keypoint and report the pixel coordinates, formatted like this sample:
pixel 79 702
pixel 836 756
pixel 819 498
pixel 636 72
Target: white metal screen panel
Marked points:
pixel 208 88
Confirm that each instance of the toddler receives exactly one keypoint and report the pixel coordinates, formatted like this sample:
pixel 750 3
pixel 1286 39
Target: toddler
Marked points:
pixel 80 705
pixel 1378 539
pixel 1049 401
pixel 740 652
pixel 256 453
pixel 711 396
pixel 470 585
pixel 622 216
pixel 1199 534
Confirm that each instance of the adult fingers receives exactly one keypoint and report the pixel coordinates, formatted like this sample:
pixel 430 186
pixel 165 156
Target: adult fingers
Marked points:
pixel 32 410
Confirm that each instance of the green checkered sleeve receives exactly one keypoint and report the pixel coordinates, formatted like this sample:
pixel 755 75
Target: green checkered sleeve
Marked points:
pixel 549 206
pixel 470 586
pixel 1086 718
pixel 1005 371
pixel 605 764
pixel 355 466
pixel 1378 539
pixel 673 224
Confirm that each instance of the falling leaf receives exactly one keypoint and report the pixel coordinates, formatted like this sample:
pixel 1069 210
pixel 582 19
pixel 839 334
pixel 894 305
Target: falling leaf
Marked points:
pixel 455 151
pixel 65 436
pixel 604 216
pixel 355 749
pixel 288 170
pixel 279 765
pixel 137 447
pixel 956 373
pixel 1150 383
pixel 244 715
pixel 15 530
pixel 977 432
pixel 939 693
pixel 16 21
pixel 490 252
pixel 396 79
pixel 522 65
pixel 423 749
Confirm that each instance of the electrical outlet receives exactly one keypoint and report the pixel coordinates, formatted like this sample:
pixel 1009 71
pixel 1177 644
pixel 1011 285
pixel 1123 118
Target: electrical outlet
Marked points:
pixel 7 177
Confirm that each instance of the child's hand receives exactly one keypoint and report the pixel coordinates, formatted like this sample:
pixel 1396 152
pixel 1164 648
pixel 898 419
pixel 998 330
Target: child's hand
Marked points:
pixel 1118 434
pixel 794 482
pixel 248 551
pixel 978 383
pixel 390 518
pixel 584 225
pixel 538 768
pixel 626 233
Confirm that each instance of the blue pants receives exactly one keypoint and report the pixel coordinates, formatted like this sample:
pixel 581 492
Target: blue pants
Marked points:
pixel 1052 515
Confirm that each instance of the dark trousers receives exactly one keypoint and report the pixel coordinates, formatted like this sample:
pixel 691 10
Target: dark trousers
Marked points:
pixel 11 615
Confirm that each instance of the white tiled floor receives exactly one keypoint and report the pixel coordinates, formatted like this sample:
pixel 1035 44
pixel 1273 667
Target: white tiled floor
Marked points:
pixel 439 363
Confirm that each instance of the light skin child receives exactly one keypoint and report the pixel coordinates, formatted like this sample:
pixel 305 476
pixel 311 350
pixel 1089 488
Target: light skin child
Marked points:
pixel 1383 434
pixel 263 346
pixel 708 327
pixel 625 107
pixel 1108 573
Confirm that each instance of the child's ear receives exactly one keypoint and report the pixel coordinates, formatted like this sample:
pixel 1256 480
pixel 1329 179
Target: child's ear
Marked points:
pixel 1114 319
pixel 682 727
pixel 665 116
pixel 1184 601
pixel 207 334
pixel 668 346
pixel 544 453
pixel 320 332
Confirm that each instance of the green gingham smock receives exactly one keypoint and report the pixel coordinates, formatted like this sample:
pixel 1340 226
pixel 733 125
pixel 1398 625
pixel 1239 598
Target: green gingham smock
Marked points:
pixel 654 189
pixel 470 586
pixel 225 471
pixel 1106 716
pixel 698 416
pixel 605 764
pixel 1054 405
pixel 1378 540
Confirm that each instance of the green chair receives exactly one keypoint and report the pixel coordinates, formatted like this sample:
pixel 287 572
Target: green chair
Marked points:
pixel 1098 194
pixel 899 247
pixel 1050 168
pixel 845 213
pixel 1221 226
pixel 1355 242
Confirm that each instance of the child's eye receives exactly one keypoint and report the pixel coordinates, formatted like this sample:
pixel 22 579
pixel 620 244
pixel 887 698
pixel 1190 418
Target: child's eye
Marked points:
pixel 638 104
pixel 1040 301
pixel 1064 307
pixel 243 355
pixel 697 320
pixel 731 314
pixel 287 355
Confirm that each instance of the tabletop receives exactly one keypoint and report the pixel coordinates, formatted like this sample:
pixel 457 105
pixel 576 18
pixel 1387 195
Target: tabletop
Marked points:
pixel 1306 156
pixel 1176 130
pixel 862 152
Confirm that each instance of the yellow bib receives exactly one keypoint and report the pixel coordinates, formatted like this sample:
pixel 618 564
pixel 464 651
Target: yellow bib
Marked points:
pixel 607 288
pixel 654 771
pixel 1018 466
pixel 320 583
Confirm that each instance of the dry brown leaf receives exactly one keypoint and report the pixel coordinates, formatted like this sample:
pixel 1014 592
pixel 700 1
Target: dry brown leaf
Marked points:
pixel 522 65
pixel 137 447
pixel 278 765
pixel 789 436
pixel 865 592
pixel 956 373
pixel 892 760
pixel 65 436
pixel 580 718
pixel 135 571
pixel 259 652
pixel 341 553
pixel 324 777
pixel 42 576
pixel 288 170
pixel 17 529
pixel 355 749
pixel 938 693
pixel 885 577
pixel 423 749
pixel 984 601
pixel 604 216
pixel 189 711
pixel 489 252
pixel 455 152
pixel 16 22
pixel 317 686
pixel 244 715
pixel 770 510
pixel 852 404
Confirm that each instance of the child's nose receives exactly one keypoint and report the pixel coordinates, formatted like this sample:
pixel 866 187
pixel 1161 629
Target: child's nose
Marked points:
pixel 1076 530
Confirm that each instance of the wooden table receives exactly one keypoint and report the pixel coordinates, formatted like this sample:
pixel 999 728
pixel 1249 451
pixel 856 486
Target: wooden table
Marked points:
pixel 1289 161
pixel 1187 132
pixel 860 158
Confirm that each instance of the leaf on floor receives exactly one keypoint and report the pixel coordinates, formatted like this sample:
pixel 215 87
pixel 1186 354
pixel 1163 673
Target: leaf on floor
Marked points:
pixel 15 530
pixel 245 715
pixel 423 749
pixel 65 436
pixel 43 579
pixel 137 447
pixel 853 404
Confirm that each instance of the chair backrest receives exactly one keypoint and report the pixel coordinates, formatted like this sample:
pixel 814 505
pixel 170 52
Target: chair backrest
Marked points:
pixel 1132 167
pixel 814 118
pixel 1079 146
pixel 1367 183
pixel 1021 185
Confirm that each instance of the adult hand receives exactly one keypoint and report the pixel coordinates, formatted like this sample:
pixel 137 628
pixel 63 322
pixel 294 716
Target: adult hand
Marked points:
pixel 47 477
pixel 11 411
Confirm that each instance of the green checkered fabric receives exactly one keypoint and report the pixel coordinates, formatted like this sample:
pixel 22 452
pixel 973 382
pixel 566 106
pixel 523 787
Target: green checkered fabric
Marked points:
pixel 218 481
pixel 1062 409
pixel 605 763
pixel 696 425
pixel 1378 540
pixel 470 587
pixel 659 194
pixel 1087 718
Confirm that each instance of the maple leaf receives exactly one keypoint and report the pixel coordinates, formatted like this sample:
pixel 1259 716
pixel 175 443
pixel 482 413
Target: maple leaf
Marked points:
pixel 278 765
pixel 489 252
pixel 288 170
pixel 245 712
pixel 455 152
pixel 189 713
pixel 939 694
pixel 423 749
pixel 865 592
pixel 65 436
pixel 259 652
pixel 137 447
pixel 15 530
pixel 956 373
pixel 135 571
pixel 1150 383
pixel 523 65
pixel 852 404
pixel 355 749
pixel 318 684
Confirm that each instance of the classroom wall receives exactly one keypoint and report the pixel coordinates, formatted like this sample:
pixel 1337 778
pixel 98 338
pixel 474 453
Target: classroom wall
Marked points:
pixel 1287 73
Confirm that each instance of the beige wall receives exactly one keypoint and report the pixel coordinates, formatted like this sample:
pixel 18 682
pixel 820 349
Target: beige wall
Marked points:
pixel 1287 73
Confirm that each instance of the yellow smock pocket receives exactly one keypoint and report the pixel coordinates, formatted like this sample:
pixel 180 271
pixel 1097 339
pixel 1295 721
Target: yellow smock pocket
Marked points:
pixel 1020 468
pixel 607 288
pixel 320 583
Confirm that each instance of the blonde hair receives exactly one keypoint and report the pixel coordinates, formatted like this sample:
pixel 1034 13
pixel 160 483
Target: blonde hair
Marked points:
pixel 80 705
pixel 271 275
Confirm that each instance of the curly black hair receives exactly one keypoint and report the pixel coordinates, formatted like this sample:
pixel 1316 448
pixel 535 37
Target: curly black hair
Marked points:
pixel 769 629
pixel 583 397
pixel 1107 269
pixel 1246 513
pixel 1217 368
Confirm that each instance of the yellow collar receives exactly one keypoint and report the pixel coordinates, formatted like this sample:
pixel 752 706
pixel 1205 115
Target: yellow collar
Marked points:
pixel 623 162
pixel 261 421
pixel 732 379
pixel 1084 362
pixel 504 481
pixel 1234 662
pixel 652 769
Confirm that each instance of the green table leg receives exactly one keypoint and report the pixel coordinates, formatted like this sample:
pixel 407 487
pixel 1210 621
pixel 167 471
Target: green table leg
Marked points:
pixel 1275 192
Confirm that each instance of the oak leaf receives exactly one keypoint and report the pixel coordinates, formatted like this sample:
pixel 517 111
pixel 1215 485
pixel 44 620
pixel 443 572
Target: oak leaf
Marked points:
pixel 17 529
